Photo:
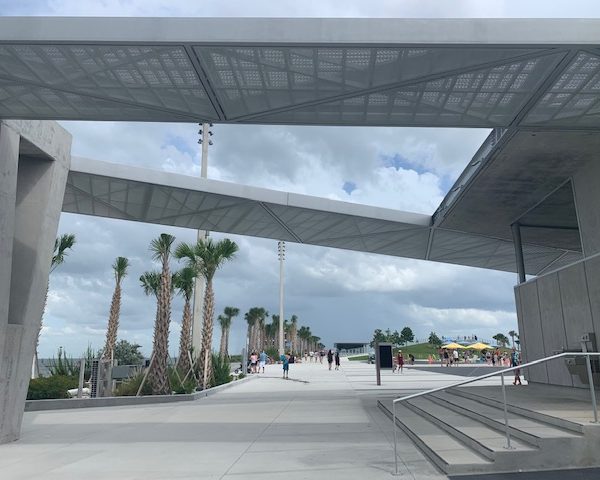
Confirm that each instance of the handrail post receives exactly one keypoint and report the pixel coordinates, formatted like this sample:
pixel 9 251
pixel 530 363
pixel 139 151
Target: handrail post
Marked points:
pixel 395 439
pixel 591 380
pixel 505 414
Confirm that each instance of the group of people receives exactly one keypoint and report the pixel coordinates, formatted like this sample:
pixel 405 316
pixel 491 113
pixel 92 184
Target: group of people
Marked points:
pixel 493 357
pixel 331 357
pixel 257 361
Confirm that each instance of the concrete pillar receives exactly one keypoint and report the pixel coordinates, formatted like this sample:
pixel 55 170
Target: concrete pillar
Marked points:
pixel 32 185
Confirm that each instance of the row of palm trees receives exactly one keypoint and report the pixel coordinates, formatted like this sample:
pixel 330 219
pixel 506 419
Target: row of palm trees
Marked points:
pixel 202 259
pixel 263 335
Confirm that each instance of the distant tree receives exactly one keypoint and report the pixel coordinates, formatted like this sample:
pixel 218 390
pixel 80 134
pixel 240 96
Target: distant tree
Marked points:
pixel 395 339
pixel 128 353
pixel 512 335
pixel 406 335
pixel 225 322
pixel 501 339
pixel 378 337
pixel 434 340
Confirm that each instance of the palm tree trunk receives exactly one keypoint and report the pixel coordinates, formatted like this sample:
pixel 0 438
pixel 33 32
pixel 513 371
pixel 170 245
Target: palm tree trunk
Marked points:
pixel 113 324
pixel 207 332
pixel 185 340
pixel 223 346
pixel 160 373
pixel 227 342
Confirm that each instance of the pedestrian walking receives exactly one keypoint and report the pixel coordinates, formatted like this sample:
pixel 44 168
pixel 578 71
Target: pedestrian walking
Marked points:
pixel 262 360
pixel 515 361
pixel 337 360
pixel 285 359
pixel 330 358
pixel 400 362
pixel 253 361
pixel 455 356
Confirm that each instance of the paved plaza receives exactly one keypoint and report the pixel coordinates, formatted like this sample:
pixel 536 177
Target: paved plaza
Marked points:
pixel 318 424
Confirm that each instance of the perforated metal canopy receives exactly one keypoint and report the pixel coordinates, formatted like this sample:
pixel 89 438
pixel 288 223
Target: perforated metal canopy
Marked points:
pixel 137 194
pixel 452 73
pixel 522 77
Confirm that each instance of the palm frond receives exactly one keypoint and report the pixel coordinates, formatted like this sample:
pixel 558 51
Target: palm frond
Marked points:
pixel 150 282
pixel 161 246
pixel 61 245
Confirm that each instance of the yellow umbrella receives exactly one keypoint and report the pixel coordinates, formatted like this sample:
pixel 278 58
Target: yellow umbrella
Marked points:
pixel 479 346
pixel 453 346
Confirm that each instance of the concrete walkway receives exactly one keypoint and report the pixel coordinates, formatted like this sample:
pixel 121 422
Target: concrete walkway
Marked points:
pixel 319 424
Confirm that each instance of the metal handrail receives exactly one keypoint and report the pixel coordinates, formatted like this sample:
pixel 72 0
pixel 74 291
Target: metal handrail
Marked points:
pixel 501 373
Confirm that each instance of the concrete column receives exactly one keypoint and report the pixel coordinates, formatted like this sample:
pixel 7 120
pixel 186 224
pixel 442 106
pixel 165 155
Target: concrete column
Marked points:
pixel 36 204
pixel 516 232
pixel 9 160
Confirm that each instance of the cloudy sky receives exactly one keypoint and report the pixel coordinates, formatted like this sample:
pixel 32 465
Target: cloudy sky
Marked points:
pixel 341 295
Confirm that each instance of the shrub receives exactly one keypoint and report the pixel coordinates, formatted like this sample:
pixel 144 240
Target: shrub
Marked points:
pixel 55 386
pixel 221 371
pixel 189 386
pixel 130 387
pixel 63 366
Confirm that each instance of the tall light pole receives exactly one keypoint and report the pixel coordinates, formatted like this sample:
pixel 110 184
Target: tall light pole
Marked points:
pixel 281 252
pixel 199 285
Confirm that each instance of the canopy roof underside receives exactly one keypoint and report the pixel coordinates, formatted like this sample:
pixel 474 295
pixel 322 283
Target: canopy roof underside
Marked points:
pixel 390 72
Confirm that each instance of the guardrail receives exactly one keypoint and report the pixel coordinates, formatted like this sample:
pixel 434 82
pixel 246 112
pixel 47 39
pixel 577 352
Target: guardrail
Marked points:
pixel 501 373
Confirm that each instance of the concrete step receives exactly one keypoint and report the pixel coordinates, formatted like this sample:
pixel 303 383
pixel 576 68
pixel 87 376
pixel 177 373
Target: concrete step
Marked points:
pixel 561 424
pixel 478 436
pixel 520 427
pixel 449 454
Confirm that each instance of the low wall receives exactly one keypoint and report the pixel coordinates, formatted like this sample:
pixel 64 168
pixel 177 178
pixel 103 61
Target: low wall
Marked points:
pixel 554 310
pixel 64 403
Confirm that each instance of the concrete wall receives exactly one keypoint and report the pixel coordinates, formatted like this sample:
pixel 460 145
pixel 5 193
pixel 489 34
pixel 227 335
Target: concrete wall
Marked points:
pixel 34 164
pixel 587 201
pixel 554 310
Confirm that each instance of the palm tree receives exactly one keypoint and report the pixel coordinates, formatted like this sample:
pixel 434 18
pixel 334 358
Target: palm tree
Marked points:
pixel 184 281
pixel 159 375
pixel 294 334
pixel 61 245
pixel 207 256
pixel 255 318
pixel 120 271
pixel 225 321
pixel 512 334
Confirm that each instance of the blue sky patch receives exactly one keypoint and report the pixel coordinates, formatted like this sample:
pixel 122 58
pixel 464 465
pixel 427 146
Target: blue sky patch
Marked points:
pixel 398 162
pixel 180 144
pixel 349 187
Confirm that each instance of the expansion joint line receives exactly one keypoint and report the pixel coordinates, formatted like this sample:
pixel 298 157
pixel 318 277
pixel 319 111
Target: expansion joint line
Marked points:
pixel 261 433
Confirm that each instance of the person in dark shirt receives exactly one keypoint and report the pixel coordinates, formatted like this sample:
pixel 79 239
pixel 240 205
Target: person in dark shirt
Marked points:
pixel 337 360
